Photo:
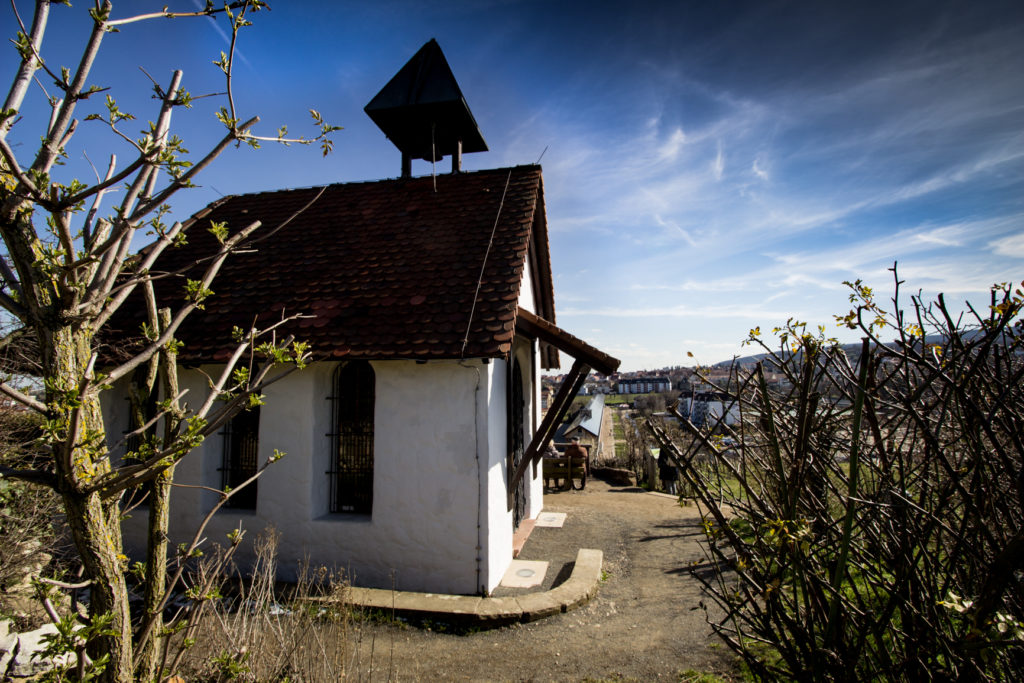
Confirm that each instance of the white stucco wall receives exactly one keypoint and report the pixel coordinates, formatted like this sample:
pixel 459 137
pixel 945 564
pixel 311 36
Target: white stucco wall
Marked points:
pixel 115 409
pixel 526 290
pixel 498 543
pixel 439 523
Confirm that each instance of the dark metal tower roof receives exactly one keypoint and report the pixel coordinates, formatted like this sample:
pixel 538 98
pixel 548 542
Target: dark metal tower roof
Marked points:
pixel 422 111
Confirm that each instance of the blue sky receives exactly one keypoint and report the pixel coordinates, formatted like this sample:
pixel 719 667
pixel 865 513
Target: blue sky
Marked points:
pixel 709 166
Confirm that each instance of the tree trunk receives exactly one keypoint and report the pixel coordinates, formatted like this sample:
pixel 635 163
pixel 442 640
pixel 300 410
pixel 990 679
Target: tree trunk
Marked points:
pixel 95 524
pixel 148 652
pixel 94 538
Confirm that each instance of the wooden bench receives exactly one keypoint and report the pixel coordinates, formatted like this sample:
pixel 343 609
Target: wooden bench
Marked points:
pixel 566 469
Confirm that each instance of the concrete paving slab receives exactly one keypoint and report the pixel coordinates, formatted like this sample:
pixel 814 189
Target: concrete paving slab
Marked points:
pixel 551 519
pixel 524 574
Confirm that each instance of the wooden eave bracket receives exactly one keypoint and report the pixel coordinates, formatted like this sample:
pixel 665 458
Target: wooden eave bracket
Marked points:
pixel 534 326
pixel 556 413
pixel 586 357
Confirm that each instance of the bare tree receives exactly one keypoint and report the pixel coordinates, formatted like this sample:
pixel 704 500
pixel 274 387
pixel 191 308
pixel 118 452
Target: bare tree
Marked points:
pixel 637 446
pixel 67 269
pixel 871 526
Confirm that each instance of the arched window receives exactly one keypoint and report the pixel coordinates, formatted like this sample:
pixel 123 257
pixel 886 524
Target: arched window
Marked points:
pixel 239 461
pixel 516 439
pixel 351 472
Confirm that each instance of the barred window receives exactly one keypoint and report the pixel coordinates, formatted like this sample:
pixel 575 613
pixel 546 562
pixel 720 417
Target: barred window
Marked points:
pixel 351 438
pixel 142 407
pixel 239 460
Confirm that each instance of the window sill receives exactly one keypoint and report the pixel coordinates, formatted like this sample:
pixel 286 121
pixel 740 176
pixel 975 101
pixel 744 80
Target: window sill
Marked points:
pixel 352 517
pixel 249 512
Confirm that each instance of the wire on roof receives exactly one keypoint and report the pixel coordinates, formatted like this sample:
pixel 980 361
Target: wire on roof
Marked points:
pixel 480 280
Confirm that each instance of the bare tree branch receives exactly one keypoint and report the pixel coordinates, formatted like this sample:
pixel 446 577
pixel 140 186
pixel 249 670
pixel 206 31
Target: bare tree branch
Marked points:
pixel 88 237
pixel 201 165
pixel 29 64
pixel 183 313
pixel 15 168
pixel 110 180
pixel 163 126
pixel 34 476
pixel 133 475
pixel 50 150
pixel 175 15
pixel 23 399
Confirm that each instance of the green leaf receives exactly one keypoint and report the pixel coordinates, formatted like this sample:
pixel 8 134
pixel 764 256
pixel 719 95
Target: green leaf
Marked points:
pixel 219 230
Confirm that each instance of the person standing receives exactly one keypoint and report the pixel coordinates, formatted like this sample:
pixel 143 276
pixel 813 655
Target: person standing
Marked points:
pixel 667 473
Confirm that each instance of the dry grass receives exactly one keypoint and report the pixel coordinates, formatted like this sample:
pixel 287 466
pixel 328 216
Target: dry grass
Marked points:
pixel 263 632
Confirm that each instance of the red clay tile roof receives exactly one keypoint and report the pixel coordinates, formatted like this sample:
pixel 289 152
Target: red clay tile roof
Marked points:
pixel 387 269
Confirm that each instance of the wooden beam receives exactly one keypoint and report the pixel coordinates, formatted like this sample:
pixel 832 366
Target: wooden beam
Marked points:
pixel 535 326
pixel 556 413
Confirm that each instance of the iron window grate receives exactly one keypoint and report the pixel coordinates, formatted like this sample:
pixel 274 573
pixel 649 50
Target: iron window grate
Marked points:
pixel 240 457
pixel 351 439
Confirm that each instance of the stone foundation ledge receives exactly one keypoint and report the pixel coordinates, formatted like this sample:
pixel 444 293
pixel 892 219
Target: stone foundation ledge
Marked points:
pixel 468 610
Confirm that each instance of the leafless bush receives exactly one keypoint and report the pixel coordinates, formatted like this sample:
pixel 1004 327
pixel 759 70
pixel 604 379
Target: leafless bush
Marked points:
pixel 873 525
pixel 29 514
pixel 637 446
pixel 257 633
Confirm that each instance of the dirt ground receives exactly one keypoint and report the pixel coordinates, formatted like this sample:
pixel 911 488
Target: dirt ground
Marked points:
pixel 644 624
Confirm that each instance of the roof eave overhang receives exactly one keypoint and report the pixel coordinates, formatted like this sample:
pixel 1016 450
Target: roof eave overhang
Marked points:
pixel 534 326
pixel 540 264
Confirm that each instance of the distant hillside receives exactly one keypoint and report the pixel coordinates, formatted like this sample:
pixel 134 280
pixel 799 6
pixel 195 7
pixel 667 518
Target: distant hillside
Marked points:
pixel 851 349
pixel 757 358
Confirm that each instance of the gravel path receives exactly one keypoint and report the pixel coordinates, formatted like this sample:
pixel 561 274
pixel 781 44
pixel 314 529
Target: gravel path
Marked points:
pixel 643 624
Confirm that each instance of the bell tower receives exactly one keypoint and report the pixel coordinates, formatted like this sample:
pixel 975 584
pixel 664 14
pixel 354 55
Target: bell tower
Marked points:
pixel 422 111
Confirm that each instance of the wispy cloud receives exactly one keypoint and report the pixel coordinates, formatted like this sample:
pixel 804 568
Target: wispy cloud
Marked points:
pixel 732 284
pixel 785 183
pixel 673 228
pixel 758 170
pixel 678 311
pixel 1011 245
pixel 718 165
pixel 943 237
pixel 670 148
pixel 215 23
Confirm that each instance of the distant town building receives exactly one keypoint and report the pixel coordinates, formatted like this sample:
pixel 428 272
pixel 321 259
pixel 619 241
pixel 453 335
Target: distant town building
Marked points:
pixel 709 408
pixel 644 385
pixel 585 425
pixel 547 394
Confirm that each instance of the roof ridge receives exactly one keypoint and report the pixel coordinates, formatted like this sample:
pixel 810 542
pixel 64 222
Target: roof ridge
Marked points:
pixel 374 182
